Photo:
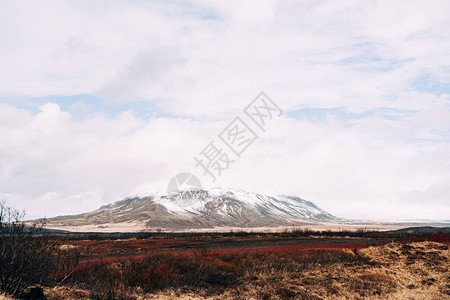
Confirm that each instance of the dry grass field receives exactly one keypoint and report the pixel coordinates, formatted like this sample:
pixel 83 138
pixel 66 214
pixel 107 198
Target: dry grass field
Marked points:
pixel 393 271
pixel 300 264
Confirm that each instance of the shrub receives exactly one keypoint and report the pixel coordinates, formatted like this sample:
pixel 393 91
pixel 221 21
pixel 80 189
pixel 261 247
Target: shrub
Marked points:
pixel 27 254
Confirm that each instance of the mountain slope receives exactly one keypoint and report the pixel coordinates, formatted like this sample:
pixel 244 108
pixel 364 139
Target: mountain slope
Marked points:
pixel 195 209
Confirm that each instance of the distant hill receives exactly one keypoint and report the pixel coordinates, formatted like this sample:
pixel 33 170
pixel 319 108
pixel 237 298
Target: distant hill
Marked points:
pixel 424 230
pixel 200 208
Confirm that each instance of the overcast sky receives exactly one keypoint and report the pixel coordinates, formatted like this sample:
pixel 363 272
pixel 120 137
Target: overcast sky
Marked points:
pixel 100 100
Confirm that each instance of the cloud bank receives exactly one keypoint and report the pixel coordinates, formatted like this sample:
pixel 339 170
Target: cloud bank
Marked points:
pixel 102 101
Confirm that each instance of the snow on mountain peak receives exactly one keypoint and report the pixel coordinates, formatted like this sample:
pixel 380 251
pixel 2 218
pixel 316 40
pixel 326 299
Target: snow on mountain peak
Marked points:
pixel 204 208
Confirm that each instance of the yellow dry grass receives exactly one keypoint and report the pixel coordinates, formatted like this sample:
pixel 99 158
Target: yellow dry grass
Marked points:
pixel 394 271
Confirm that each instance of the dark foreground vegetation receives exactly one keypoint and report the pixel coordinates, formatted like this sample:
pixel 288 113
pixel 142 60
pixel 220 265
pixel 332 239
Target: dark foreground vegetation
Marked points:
pixel 201 274
pixel 28 257
pixel 294 264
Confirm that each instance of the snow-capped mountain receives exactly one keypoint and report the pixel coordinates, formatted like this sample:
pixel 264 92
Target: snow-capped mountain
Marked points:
pixel 200 208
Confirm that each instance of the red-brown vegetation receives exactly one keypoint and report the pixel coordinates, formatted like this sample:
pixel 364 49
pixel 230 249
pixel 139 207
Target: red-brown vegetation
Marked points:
pixel 440 237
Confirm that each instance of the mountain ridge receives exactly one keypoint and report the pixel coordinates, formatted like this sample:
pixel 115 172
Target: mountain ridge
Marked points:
pixel 202 209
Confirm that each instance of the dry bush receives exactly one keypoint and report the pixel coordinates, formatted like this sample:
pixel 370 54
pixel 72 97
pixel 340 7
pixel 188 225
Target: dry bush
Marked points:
pixel 360 232
pixel 290 262
pixel 27 254
pixel 158 272
pixel 201 272
pixel 163 270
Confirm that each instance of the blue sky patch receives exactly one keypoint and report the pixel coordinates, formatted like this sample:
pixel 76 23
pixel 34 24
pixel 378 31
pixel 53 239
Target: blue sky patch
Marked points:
pixel 430 84
pixel 319 115
pixel 82 105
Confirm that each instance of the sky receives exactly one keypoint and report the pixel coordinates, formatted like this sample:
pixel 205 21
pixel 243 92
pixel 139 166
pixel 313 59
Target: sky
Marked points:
pixel 100 100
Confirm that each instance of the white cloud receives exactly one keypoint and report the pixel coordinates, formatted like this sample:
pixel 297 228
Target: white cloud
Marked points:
pixel 54 165
pixel 206 60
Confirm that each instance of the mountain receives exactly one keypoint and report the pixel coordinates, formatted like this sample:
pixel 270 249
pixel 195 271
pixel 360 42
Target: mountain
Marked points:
pixel 201 209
